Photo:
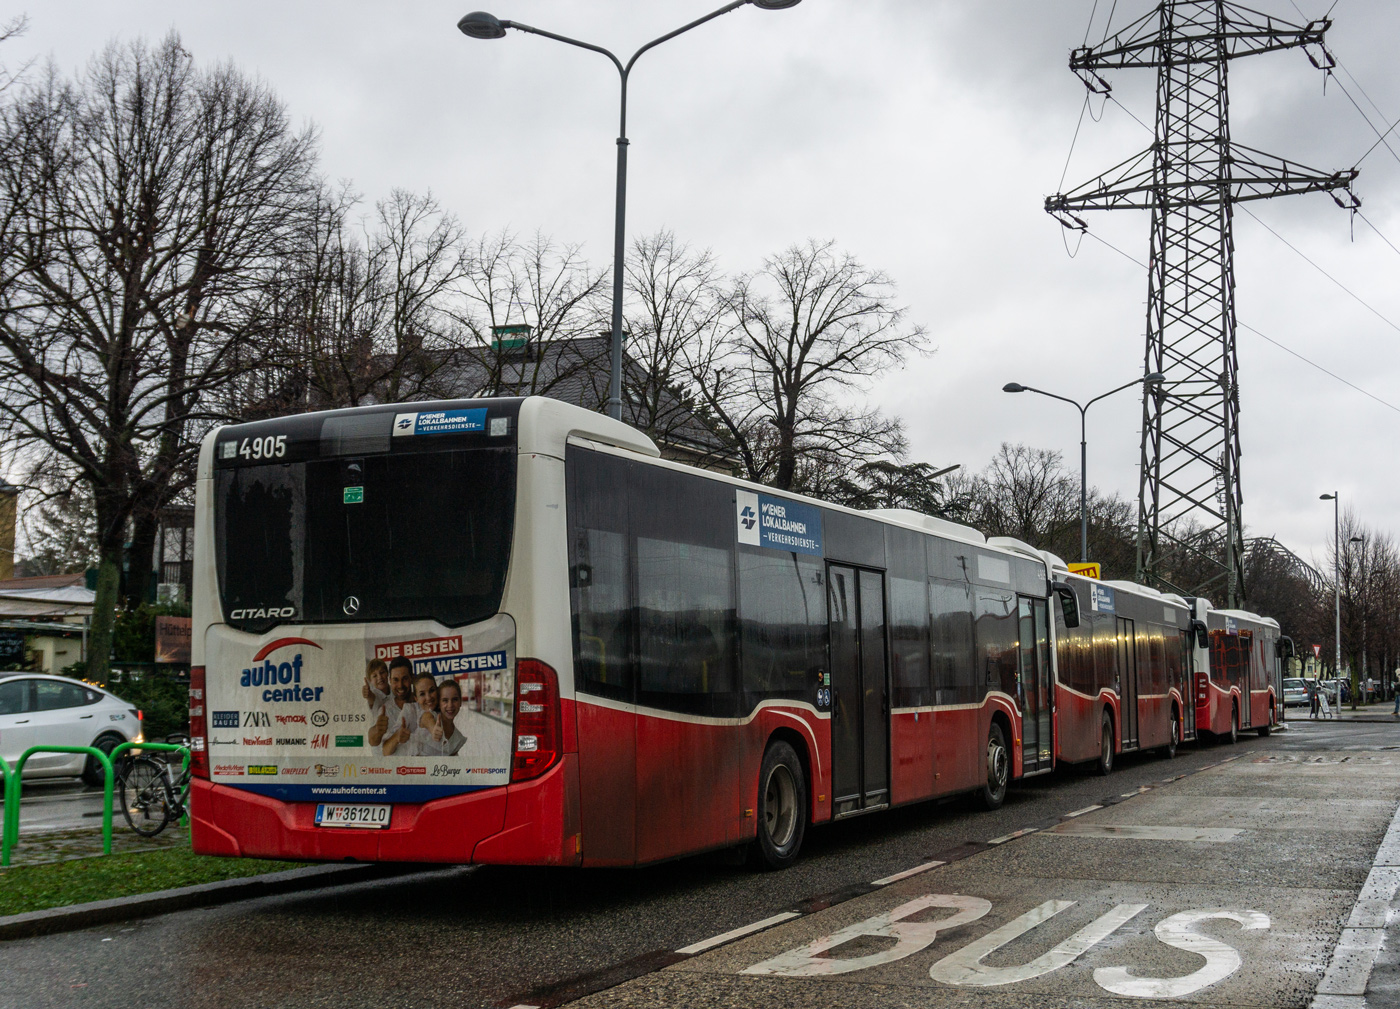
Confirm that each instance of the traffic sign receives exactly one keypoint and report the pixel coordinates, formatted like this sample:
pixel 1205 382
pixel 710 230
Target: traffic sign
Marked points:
pixel 1317 651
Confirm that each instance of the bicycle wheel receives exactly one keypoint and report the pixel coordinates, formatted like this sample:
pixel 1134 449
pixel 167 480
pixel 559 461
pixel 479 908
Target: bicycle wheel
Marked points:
pixel 145 797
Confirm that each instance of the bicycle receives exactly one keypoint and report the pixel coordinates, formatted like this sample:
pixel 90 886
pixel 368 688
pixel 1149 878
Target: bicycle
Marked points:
pixel 152 793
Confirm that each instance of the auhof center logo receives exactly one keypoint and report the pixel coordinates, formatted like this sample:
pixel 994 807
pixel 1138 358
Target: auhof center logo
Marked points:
pixel 281 679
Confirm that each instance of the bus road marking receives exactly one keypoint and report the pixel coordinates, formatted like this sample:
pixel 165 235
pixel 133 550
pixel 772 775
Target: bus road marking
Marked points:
pixel 1013 835
pixel 738 933
pixel 966 967
pixel 910 937
pixel 1137 833
pixel 1081 812
pixel 1222 959
pixel 911 872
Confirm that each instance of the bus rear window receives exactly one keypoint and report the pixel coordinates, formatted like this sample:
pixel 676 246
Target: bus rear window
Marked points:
pixel 422 535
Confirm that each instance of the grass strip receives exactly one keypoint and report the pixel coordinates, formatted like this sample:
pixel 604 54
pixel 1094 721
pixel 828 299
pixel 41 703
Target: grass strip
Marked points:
pixel 77 881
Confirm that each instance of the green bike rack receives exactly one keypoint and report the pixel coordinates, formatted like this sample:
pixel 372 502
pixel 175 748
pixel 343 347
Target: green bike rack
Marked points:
pixel 125 748
pixel 10 833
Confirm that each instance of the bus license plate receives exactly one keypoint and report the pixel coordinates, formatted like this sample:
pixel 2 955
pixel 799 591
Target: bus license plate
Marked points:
pixel 328 815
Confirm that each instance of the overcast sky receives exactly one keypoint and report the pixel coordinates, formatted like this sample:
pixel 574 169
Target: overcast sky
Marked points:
pixel 923 136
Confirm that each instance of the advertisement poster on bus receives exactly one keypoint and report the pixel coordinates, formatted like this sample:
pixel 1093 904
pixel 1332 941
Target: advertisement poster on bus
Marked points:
pixel 401 712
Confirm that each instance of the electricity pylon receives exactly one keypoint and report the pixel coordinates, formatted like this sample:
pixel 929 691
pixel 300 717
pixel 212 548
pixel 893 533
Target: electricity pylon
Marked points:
pixel 1190 536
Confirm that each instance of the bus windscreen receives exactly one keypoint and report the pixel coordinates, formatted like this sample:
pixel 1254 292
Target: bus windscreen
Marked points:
pixel 393 536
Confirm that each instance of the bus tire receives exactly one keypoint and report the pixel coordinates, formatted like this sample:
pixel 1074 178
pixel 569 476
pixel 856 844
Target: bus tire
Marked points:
pixel 1105 763
pixel 1268 726
pixel 782 807
pixel 1173 736
pixel 993 792
pixel 1234 724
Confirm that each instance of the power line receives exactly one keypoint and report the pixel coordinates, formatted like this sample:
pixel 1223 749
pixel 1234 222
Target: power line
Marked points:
pixel 1320 270
pixel 1289 350
pixel 1377 231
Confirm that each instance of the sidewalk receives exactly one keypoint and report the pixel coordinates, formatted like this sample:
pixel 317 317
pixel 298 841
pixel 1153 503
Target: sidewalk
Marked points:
pixel 1379 712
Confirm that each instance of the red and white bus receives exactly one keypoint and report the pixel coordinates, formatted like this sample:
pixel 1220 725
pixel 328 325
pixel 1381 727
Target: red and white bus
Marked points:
pixel 506 631
pixel 1124 675
pixel 1238 670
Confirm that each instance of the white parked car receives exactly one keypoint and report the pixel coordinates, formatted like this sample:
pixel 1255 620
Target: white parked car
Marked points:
pixel 41 710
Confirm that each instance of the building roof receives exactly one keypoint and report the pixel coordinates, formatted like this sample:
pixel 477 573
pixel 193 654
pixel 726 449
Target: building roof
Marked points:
pixel 46 596
pixel 43 582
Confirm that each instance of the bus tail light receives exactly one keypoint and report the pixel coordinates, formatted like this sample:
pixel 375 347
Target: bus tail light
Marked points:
pixel 199 753
pixel 538 738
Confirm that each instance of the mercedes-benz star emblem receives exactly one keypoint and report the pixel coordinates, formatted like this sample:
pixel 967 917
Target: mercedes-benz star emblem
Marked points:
pixel 351 606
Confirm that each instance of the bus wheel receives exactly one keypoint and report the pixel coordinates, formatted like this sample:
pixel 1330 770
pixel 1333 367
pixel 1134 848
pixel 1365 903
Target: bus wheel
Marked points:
pixel 782 807
pixel 993 793
pixel 1175 737
pixel 1268 726
pixel 1234 726
pixel 1105 765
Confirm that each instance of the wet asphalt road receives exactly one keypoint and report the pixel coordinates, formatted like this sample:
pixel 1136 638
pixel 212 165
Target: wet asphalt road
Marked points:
pixel 477 936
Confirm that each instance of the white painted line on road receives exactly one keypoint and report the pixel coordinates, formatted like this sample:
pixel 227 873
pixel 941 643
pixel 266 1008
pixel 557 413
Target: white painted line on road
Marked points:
pixel 737 933
pixel 1013 835
pixel 1344 984
pixel 910 872
pixel 1135 792
pixel 1081 812
pixel 1143 833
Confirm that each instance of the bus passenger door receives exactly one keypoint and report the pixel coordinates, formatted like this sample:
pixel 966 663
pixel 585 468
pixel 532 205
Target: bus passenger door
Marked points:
pixel 1036 691
pixel 1186 683
pixel 860 692
pixel 1127 683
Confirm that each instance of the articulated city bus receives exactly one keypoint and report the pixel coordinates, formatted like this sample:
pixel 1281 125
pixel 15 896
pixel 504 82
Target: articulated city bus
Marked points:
pixel 1239 681
pixel 506 631
pixel 1123 675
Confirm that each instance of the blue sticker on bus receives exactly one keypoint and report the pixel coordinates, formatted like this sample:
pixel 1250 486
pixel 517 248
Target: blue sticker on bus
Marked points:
pixel 1231 626
pixel 440 422
pixel 765 521
pixel 1101 599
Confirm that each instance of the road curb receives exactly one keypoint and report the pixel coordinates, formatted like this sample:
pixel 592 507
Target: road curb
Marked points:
pixel 224 891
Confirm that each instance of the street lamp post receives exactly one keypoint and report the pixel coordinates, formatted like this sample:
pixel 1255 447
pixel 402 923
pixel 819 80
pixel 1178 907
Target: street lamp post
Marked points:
pixel 480 25
pixel 1365 588
pixel 1156 378
pixel 1335 498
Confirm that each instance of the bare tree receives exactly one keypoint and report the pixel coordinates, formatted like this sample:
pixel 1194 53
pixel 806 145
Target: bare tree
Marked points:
pixel 10 29
pixel 805 334
pixel 540 284
pixel 142 206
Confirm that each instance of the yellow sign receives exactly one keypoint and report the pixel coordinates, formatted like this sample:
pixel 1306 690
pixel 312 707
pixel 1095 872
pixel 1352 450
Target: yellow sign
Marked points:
pixel 1087 570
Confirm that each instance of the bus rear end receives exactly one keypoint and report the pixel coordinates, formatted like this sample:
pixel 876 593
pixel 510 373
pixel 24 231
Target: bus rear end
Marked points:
pixel 356 681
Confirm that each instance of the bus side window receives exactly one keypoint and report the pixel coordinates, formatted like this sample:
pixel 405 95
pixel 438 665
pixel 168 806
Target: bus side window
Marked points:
pixel 955 679
pixel 600 585
pixel 783 625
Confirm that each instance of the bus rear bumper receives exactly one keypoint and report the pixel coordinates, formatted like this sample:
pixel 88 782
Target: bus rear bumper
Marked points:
pixel 531 823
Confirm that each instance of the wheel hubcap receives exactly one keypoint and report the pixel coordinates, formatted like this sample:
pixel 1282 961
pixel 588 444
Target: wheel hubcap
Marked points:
pixel 780 806
pixel 996 765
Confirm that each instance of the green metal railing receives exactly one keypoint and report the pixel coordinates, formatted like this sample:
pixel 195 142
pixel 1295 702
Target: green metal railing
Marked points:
pixel 12 790
pixel 11 778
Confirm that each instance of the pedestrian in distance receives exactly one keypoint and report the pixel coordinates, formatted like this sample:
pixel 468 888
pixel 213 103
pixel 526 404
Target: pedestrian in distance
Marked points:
pixel 1313 702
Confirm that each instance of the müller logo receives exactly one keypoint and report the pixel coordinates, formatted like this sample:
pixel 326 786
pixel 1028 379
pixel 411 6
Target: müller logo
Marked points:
pixel 267 672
